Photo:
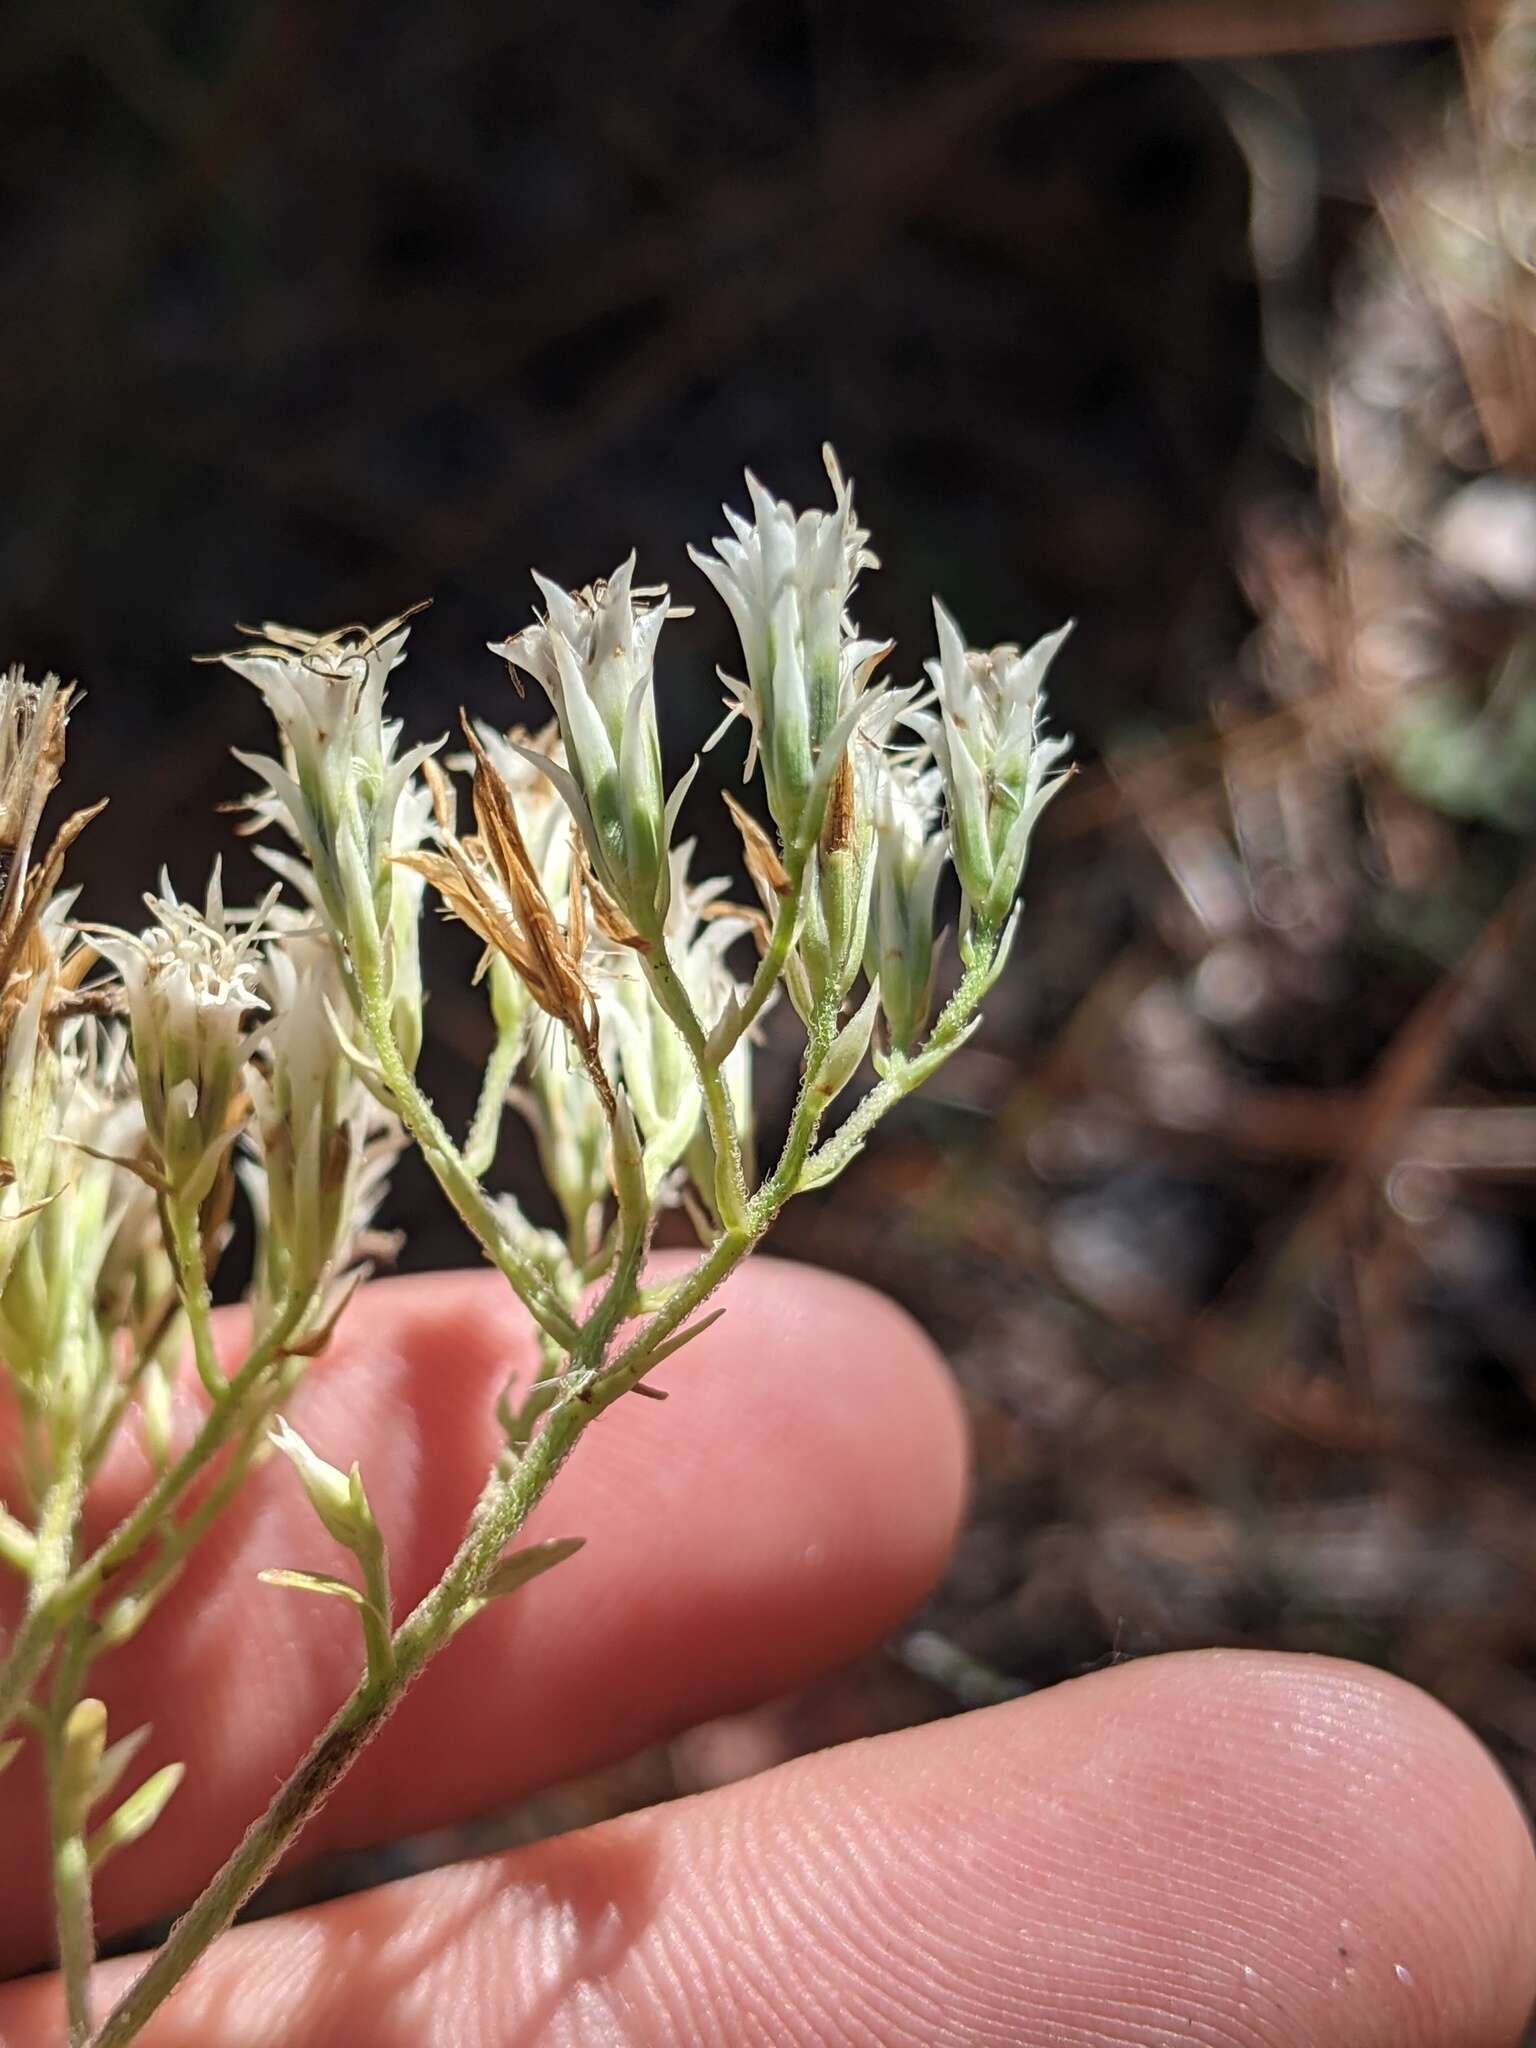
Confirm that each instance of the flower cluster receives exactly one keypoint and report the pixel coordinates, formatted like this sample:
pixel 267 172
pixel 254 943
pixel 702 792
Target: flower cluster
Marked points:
pixel 148 1076
pixel 787 581
pixel 319 1145
pixel 189 984
pixel 594 651
pixel 999 770
pixel 347 797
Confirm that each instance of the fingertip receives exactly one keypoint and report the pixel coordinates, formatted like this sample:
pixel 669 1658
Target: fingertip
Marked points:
pixel 810 1461
pixel 1315 1845
pixel 863 1387
pixel 1424 1855
pixel 793 1497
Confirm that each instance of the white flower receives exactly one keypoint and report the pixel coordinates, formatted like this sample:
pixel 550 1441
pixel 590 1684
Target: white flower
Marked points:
pixel 910 851
pixel 594 652
pixel 641 1043
pixel 570 1130
pixel 29 1084
pixel 190 980
pixel 33 717
pixel 336 1497
pixel 788 581
pixel 343 794
pixel 999 770
pixel 92 1255
pixel 323 1144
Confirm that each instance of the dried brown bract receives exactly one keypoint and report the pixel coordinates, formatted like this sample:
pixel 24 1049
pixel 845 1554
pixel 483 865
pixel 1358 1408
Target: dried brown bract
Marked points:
pixel 489 882
pixel 765 870
pixel 33 721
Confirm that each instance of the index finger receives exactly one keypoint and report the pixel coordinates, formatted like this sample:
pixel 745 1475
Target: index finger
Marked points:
pixel 791 1500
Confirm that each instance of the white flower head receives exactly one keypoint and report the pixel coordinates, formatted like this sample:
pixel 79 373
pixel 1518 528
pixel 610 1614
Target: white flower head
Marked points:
pixel 570 1131
pixel 323 1144
pixel 594 652
pixel 787 580
pixel 91 1255
pixel 336 1497
pixel 999 769
pixel 910 850
pixel 341 790
pixel 191 984
pixel 33 717
pixel 642 1045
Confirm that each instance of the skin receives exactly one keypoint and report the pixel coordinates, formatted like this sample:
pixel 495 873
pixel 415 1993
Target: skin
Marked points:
pixel 1223 1849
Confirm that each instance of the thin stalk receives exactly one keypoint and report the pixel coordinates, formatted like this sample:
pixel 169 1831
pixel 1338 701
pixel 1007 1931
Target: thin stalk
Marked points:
pixel 618 1296
pixel 39 1625
pixel 74 1920
pixel 182 1536
pixel 677 1006
pixel 453 1175
pixel 222 1422
pixel 905 1072
pixel 771 967
pixel 506 1505
pixel 480 1145
pixel 74 1926
pixel 810 1106
pixel 185 1241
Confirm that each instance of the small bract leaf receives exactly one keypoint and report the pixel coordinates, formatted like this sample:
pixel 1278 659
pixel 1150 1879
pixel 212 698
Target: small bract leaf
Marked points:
pixel 848 1048
pixel 312 1582
pixel 115 1761
pixel 136 1816
pixel 532 1563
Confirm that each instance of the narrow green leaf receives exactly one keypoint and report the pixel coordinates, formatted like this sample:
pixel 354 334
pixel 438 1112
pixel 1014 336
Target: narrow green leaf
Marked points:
pixel 313 1582
pixel 848 1048
pixel 18 1547
pixel 679 1338
pixel 532 1563
pixel 115 1760
pixel 135 1817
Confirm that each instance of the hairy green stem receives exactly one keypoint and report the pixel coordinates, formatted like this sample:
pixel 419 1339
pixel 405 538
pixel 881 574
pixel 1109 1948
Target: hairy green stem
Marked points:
pixel 905 1072
pixel 51 1556
pixel 74 1929
pixel 595 1383
pixel 222 1421
pixel 480 1145
pixel 453 1175
pixel 433 1621
pixel 73 1915
pixel 677 1006
pixel 184 1237
pixel 771 967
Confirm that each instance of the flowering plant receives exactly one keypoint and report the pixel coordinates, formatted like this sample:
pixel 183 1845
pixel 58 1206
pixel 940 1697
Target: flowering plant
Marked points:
pixel 147 1077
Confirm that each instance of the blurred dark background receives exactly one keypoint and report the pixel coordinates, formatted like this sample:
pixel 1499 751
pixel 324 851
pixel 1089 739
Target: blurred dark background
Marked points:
pixel 1210 331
